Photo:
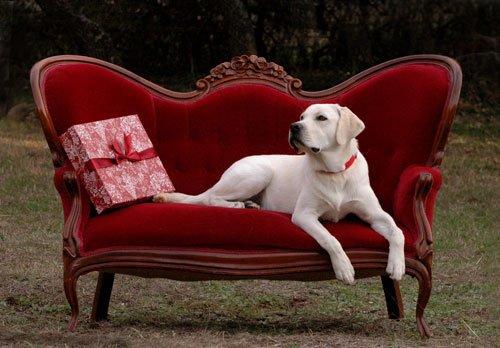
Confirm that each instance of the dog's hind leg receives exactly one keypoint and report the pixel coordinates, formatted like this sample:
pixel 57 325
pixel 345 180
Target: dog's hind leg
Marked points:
pixel 245 179
pixel 177 197
pixel 203 199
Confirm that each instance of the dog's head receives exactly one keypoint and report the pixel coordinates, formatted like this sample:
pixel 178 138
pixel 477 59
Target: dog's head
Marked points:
pixel 324 126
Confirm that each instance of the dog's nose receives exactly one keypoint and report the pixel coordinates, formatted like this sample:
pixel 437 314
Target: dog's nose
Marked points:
pixel 295 127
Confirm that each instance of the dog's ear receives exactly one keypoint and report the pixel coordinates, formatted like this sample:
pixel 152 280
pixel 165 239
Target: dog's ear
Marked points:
pixel 349 126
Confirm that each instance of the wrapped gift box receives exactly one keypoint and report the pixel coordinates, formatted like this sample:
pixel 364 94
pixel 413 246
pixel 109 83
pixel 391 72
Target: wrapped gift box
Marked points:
pixel 116 161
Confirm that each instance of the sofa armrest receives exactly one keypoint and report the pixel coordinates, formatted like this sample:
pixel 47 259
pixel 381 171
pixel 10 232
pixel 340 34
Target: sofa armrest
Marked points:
pixel 414 202
pixel 76 207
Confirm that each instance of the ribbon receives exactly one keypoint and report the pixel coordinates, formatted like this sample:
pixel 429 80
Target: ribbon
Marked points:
pixel 121 154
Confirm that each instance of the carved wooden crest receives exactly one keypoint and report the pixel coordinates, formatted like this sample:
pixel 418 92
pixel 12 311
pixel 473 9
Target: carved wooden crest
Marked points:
pixel 249 67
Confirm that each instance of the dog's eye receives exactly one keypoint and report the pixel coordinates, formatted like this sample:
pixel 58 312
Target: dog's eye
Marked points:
pixel 321 118
pixel 301 118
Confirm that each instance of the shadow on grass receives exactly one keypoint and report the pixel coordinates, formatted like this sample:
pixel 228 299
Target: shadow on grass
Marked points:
pixel 271 324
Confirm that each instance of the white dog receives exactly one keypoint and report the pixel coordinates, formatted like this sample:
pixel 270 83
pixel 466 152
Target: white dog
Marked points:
pixel 328 182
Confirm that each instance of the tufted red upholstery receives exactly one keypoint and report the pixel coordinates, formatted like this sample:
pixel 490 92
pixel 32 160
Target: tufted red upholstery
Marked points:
pixel 207 136
pixel 186 225
pixel 198 139
pixel 78 93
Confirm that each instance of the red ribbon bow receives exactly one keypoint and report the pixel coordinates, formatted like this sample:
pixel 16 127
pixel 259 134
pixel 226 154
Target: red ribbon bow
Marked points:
pixel 121 154
pixel 126 154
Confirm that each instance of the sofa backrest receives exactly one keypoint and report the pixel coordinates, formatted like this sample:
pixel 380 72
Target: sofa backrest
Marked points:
pixel 246 109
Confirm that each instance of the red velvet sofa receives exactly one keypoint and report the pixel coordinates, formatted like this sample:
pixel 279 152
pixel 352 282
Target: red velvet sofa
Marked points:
pixel 245 107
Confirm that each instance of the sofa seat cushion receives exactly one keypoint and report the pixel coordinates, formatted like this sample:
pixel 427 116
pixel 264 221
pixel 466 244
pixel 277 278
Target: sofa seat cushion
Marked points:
pixel 167 225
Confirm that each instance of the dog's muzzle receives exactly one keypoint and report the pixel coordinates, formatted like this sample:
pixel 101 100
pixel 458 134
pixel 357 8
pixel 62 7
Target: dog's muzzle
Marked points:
pixel 294 138
pixel 294 135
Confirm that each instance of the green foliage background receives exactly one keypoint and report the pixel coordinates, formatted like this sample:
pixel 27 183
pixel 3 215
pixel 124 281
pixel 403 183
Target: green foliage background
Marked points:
pixel 323 42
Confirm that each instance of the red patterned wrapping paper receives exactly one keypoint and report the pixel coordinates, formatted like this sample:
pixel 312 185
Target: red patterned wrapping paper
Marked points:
pixel 115 175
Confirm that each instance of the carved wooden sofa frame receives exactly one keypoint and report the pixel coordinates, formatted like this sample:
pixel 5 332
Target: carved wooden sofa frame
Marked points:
pixel 205 265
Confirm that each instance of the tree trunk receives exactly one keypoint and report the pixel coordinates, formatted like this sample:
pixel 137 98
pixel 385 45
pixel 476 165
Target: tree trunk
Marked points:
pixel 238 27
pixel 259 36
pixel 320 16
pixel 6 8
pixel 86 34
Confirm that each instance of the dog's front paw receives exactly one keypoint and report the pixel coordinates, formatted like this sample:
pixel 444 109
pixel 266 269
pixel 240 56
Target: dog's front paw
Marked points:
pixel 343 269
pixel 396 266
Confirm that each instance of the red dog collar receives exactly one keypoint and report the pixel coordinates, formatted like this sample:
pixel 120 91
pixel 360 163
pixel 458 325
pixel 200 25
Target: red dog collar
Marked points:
pixel 348 164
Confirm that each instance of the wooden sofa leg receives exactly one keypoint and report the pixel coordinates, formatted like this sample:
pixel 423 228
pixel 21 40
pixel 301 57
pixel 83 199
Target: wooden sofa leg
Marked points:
pixel 102 296
pixel 424 293
pixel 393 299
pixel 71 295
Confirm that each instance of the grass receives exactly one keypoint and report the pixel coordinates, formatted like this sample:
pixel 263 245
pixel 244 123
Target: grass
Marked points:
pixel 463 309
